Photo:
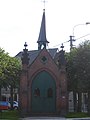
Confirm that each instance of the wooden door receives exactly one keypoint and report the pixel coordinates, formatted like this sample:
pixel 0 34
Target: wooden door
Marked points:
pixel 43 93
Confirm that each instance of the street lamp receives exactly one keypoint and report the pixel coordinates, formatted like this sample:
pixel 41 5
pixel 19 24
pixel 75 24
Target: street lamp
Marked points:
pixel 72 37
pixel 87 23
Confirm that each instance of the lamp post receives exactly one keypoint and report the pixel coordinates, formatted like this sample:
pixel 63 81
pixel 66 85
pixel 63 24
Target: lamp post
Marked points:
pixel 87 23
pixel 72 37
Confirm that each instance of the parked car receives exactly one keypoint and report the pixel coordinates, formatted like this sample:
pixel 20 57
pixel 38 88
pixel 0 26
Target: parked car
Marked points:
pixel 4 105
pixel 15 105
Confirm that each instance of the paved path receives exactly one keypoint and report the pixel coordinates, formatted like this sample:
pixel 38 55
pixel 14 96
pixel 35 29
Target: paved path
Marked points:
pixel 43 118
pixel 53 118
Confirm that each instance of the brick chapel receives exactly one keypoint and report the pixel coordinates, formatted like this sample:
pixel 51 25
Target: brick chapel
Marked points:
pixel 43 83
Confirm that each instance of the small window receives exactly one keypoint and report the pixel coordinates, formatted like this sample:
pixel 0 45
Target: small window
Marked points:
pixel 50 93
pixel 44 59
pixel 37 92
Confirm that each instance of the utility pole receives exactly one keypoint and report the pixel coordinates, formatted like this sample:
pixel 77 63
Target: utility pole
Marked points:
pixel 71 42
pixel 72 37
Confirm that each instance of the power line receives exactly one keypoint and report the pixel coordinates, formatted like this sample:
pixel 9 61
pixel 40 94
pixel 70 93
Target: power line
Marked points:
pixel 72 40
pixel 83 36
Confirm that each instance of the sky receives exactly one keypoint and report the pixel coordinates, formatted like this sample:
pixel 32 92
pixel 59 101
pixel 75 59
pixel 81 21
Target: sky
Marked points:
pixel 20 22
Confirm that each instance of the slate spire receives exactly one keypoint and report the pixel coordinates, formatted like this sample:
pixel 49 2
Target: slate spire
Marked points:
pixel 42 40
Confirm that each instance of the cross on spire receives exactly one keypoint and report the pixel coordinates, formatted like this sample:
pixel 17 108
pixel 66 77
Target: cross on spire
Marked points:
pixel 44 2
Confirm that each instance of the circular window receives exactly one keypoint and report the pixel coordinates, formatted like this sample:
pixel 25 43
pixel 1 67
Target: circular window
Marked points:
pixel 44 59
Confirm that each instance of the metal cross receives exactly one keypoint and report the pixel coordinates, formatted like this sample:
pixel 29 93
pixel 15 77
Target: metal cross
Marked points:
pixel 25 45
pixel 44 1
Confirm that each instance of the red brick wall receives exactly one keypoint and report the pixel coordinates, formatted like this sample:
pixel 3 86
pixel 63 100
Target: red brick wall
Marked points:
pixel 58 75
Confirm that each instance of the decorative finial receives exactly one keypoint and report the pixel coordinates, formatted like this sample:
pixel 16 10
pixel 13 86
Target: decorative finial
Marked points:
pixel 25 45
pixel 44 2
pixel 25 55
pixel 62 46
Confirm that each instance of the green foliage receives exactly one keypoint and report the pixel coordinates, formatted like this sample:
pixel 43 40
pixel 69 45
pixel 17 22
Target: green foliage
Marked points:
pixel 3 57
pixel 71 70
pixel 9 69
pixel 78 67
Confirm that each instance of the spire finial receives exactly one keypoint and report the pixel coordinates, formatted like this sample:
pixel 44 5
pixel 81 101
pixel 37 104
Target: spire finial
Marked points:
pixel 44 2
pixel 25 45
pixel 62 46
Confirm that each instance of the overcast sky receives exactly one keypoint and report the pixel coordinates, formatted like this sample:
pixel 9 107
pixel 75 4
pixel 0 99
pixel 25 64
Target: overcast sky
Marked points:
pixel 20 22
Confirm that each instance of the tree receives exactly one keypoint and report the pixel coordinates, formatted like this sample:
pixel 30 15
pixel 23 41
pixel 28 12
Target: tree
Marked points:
pixel 3 57
pixel 78 68
pixel 71 73
pixel 12 74
pixel 10 68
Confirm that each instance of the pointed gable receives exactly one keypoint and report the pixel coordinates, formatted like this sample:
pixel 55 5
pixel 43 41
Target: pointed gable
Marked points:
pixel 44 60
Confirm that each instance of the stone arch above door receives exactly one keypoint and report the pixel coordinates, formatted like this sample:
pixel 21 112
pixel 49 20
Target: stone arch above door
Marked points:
pixel 43 93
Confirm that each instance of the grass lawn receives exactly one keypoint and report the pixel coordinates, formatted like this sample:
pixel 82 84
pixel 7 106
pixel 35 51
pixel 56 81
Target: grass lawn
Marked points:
pixel 9 115
pixel 77 115
pixel 14 115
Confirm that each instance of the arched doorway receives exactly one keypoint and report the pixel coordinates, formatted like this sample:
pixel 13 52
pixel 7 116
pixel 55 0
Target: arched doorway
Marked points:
pixel 43 93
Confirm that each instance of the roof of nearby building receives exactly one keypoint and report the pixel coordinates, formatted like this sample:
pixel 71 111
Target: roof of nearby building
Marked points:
pixel 34 53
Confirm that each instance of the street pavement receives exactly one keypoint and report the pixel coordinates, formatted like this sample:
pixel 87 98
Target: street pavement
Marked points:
pixel 53 118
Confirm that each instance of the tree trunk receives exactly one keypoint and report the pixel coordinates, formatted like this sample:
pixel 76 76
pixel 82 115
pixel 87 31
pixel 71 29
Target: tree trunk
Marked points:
pixel 89 102
pixel 75 101
pixel 11 100
pixel 79 102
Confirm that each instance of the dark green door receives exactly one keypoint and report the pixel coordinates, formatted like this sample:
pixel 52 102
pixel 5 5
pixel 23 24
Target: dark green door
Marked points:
pixel 43 93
